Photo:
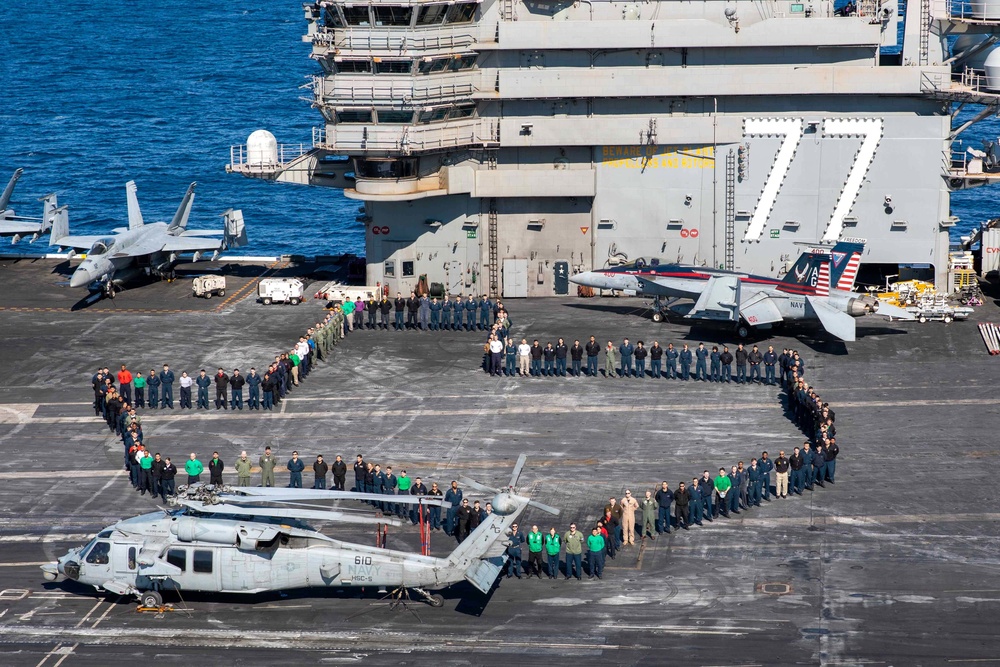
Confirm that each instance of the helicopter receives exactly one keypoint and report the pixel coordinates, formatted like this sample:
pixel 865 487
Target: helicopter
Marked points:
pixel 226 539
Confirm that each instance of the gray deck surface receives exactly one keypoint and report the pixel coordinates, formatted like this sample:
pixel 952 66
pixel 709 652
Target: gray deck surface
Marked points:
pixel 893 565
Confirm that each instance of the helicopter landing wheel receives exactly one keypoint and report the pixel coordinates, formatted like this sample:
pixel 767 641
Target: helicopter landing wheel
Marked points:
pixel 151 599
pixel 433 599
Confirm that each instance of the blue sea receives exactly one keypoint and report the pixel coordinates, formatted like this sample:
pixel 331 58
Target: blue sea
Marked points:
pixel 106 91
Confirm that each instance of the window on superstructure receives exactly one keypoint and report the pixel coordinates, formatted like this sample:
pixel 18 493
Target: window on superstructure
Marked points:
pixel 461 13
pixel 357 15
pixel 393 66
pixel 389 268
pixel 431 115
pixel 434 66
pixel 354 67
pixel 464 111
pixel 332 18
pixel 407 269
pixel 391 116
pixel 432 14
pixel 386 15
pixel 354 116
pixel 465 62
pixel 385 168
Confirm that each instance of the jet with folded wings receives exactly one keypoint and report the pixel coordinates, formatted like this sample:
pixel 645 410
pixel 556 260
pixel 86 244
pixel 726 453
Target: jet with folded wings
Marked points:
pixel 150 248
pixel 819 287
pixel 18 226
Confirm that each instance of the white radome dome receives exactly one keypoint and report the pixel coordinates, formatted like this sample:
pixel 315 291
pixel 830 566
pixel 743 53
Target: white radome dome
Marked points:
pixel 262 148
pixel 992 67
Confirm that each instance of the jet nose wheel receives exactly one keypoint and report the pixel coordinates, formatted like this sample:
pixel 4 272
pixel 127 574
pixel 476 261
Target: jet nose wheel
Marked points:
pixel 742 331
pixel 657 317
pixel 436 600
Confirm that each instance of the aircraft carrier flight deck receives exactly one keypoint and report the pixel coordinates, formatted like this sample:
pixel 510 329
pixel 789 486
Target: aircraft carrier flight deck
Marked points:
pixel 893 565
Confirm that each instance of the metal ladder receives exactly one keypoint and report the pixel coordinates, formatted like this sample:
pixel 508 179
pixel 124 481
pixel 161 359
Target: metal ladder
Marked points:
pixel 925 31
pixel 494 267
pixel 730 210
pixel 507 12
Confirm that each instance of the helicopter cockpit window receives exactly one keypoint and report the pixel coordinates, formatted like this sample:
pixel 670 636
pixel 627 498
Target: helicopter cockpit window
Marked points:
pixel 100 247
pixel 98 555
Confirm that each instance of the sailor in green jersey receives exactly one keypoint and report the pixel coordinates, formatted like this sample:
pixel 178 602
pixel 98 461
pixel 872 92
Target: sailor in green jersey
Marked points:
pixel 552 546
pixel 535 539
pixel 722 486
pixel 596 556
pixel 403 484
pixel 193 468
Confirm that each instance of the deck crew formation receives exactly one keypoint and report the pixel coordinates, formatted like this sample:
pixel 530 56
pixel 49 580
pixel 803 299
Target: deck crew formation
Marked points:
pixel 420 313
pixel 707 497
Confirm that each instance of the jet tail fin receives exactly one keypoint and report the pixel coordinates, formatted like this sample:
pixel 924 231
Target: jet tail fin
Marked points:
pixel 9 190
pixel 236 232
pixel 845 259
pixel 180 221
pixel 805 271
pixel 134 213
pixel 50 204
pixel 60 225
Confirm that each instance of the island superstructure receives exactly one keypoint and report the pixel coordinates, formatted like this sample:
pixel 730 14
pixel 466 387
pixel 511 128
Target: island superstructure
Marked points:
pixel 500 147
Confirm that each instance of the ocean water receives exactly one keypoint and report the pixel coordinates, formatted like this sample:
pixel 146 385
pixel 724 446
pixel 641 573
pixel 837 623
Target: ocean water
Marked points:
pixel 106 91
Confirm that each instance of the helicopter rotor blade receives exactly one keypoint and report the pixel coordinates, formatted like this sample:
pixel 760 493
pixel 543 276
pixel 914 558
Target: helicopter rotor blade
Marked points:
pixel 517 469
pixel 544 507
pixel 471 483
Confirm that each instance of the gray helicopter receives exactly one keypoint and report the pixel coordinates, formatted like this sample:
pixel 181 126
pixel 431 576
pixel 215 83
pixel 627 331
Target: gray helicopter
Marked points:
pixel 252 540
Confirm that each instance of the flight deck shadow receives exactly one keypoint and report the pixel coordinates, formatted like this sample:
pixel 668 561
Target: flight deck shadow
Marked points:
pixel 470 601
pixel 640 311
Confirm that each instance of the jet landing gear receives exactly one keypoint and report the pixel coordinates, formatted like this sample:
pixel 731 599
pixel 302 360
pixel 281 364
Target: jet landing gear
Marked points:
pixel 660 308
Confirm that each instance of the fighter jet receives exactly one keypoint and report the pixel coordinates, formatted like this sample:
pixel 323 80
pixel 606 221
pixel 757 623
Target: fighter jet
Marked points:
pixel 819 287
pixel 153 248
pixel 17 226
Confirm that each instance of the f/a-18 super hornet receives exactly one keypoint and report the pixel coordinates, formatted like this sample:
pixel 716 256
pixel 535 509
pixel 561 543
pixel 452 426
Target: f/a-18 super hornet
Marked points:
pixel 252 540
pixel 150 248
pixel 818 287
pixel 17 226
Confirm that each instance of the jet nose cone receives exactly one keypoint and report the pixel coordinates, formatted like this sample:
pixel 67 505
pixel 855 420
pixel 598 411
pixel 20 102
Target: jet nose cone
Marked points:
pixel 80 278
pixel 588 279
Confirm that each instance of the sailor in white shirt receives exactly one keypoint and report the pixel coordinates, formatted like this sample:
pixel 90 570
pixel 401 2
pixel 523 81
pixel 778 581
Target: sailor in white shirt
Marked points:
pixel 523 357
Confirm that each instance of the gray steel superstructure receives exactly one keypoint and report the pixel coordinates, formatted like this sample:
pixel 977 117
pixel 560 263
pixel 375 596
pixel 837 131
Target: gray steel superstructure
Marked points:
pixel 502 146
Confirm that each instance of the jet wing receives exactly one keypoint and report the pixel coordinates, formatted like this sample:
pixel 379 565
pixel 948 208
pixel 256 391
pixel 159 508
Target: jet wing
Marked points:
pixel 760 309
pixel 719 300
pixel 10 227
pixel 77 242
pixel 667 287
pixel 191 244
pixel 836 322
pixel 146 246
